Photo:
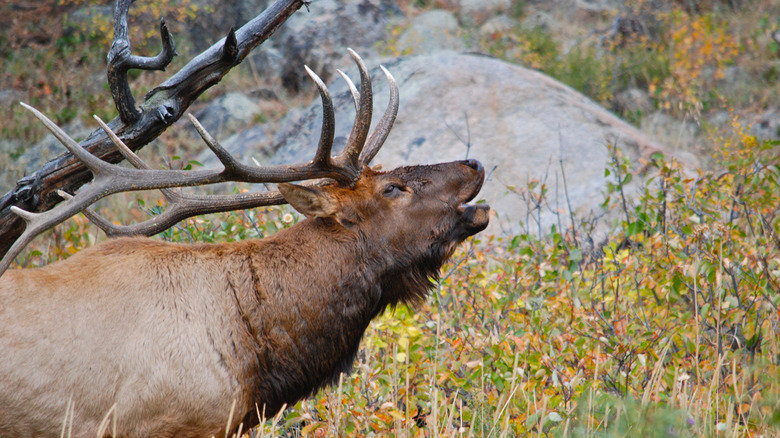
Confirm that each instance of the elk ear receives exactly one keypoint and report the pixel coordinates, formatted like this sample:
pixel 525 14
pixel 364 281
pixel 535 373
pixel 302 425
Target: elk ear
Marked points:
pixel 309 201
pixel 318 202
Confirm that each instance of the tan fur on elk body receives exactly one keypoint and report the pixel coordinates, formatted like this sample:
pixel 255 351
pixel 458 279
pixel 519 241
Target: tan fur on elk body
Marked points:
pixel 171 335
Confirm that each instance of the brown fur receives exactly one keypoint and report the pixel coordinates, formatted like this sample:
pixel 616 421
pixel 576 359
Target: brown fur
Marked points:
pixel 172 335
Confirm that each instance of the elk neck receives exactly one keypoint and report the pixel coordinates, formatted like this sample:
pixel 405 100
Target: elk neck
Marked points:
pixel 309 293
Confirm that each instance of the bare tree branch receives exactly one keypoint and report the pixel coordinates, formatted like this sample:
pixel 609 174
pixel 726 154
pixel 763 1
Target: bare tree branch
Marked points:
pixel 121 59
pixel 109 178
pixel 137 126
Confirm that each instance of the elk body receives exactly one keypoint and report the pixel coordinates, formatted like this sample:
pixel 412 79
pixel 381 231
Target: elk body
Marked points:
pixel 165 339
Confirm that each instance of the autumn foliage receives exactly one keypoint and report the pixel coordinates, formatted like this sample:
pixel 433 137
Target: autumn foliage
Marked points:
pixel 666 323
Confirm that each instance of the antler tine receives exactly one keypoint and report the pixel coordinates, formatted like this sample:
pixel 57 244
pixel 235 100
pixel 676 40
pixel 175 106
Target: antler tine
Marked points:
pixel 352 89
pixel 126 152
pixel 110 178
pixel 182 206
pixel 107 179
pixel 40 222
pixel 357 138
pixel 22 241
pixel 382 130
pixel 113 178
pixel 93 163
pixel 92 215
pixel 232 166
pixel 171 195
pixel 328 122
pixel 237 171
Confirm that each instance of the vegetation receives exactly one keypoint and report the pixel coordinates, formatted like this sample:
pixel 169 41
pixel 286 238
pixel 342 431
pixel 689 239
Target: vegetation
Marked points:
pixel 668 327
pixel 684 57
pixel 667 324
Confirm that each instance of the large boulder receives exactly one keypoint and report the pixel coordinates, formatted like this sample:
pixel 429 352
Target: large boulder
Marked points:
pixel 520 123
pixel 24 159
pixel 319 38
pixel 431 31
pixel 214 19
pixel 476 12
pixel 227 113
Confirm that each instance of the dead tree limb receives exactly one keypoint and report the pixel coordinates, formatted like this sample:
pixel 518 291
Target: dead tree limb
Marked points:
pixel 136 126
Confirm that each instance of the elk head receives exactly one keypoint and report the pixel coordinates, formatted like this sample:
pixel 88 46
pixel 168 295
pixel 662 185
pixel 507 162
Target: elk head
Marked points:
pixel 416 215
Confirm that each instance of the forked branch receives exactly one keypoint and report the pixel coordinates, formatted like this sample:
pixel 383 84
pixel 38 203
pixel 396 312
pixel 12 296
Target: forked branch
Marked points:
pixel 110 178
pixel 137 125
pixel 121 59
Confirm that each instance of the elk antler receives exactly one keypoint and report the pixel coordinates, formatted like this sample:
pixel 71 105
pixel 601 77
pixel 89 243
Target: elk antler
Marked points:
pixel 110 178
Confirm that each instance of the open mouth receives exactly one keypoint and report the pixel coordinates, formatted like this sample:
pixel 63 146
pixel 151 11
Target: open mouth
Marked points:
pixel 477 166
pixel 475 217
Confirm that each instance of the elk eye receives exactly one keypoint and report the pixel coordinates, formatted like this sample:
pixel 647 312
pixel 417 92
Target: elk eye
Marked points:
pixel 392 190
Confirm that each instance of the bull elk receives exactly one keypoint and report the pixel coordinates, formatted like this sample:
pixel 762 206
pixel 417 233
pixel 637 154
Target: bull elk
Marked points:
pixel 164 339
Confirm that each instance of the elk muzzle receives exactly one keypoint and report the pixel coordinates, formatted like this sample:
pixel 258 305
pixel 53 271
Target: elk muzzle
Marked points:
pixel 475 217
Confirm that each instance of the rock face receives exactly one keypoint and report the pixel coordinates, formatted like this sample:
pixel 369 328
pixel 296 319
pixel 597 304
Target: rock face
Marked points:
pixel 36 155
pixel 216 18
pixel 518 122
pixel 319 38
pixel 476 12
pixel 227 113
pixel 430 32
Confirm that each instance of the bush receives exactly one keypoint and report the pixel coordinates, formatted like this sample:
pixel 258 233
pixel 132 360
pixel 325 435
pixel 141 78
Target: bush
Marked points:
pixel 668 328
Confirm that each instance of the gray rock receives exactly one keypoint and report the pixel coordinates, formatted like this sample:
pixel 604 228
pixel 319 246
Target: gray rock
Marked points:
pixel 517 121
pixel 736 82
pixel 246 144
pixel 591 9
pixel 540 21
pixel 677 134
pixel 500 24
pixel 633 100
pixel 295 120
pixel 227 113
pixel 476 12
pixel 216 18
pixel 430 32
pixel 29 159
pixel 766 125
pixel 319 39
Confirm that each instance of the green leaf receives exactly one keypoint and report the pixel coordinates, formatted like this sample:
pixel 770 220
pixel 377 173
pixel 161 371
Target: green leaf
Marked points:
pixel 532 419
pixel 634 228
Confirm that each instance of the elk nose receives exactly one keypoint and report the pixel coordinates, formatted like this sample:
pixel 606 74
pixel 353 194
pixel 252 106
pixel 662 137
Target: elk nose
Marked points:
pixel 474 164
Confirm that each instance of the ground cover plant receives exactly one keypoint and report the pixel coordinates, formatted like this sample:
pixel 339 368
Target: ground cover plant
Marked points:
pixel 668 327
pixel 664 325
pixel 691 59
